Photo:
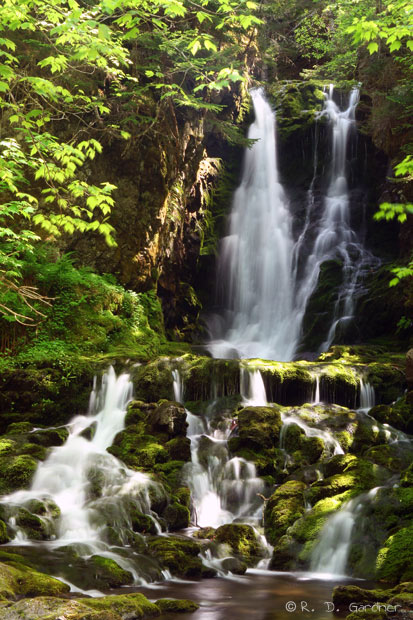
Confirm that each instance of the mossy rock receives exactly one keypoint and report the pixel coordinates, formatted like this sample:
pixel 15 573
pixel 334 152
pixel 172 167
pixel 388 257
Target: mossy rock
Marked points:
pixel 4 533
pixel 242 540
pixel 168 419
pixel 357 476
pixel 344 595
pixel 50 608
pixel 19 580
pixel 133 605
pixel 284 507
pixel 17 473
pixel 34 527
pixel 176 516
pixel 179 448
pixel 142 523
pixel 50 437
pixel 202 373
pixel 136 450
pixel 153 380
pixel 406 479
pixel 173 605
pixel 394 560
pixel 285 554
pixel 234 565
pixel 259 427
pixel 107 573
pixel 178 555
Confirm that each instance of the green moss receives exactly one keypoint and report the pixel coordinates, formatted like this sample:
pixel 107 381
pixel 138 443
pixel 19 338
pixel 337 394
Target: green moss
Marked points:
pixel 107 572
pixel 50 608
pixel 242 540
pixel 394 560
pixel 176 516
pixel 259 427
pixel 178 555
pixel 4 535
pixel 18 473
pixel 176 605
pixel 284 507
pixel 19 580
pixel 134 605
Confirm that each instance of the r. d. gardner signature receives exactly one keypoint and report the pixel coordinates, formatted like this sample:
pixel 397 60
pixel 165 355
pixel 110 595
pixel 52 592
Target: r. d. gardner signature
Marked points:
pixel 328 606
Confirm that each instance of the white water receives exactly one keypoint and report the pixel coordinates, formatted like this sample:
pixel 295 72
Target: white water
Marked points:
pixel 64 476
pixel 330 554
pixel 222 488
pixel 255 264
pixel 264 293
pixel 252 388
pixel 367 395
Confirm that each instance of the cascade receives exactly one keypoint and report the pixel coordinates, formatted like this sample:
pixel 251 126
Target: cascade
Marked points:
pixel 223 489
pixel 367 395
pixel 330 555
pixel 252 388
pixel 64 477
pixel 263 290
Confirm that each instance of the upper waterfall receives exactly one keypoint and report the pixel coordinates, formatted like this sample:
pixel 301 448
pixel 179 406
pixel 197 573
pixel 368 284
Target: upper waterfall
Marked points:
pixel 255 264
pixel 265 277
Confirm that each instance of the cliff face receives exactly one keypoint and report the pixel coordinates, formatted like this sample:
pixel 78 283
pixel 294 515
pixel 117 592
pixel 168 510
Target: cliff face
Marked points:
pixel 159 175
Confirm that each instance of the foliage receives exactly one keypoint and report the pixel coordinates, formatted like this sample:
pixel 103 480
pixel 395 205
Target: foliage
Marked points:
pixel 61 64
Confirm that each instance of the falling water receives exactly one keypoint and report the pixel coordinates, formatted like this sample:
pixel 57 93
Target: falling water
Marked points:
pixel 255 264
pixel 335 238
pixel 367 395
pixel 331 552
pixel 64 477
pixel 222 488
pixel 264 293
pixel 252 388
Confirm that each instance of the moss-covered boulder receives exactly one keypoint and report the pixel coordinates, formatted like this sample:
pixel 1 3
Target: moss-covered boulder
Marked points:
pixel 242 541
pixel 17 579
pixel 259 427
pixel 108 574
pixel 284 507
pixel 179 555
pixel 176 516
pixel 153 380
pixel 173 605
pixel 17 473
pixel 125 606
pixel 50 608
pixel 394 560
pixel 167 419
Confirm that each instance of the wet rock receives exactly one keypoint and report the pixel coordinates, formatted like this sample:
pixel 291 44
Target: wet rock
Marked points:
pixel 124 606
pixel 49 608
pixel 177 516
pixel 259 427
pixel 178 555
pixel 168 605
pixel 234 565
pixel 107 574
pixel 20 580
pixel 242 541
pixel 169 418
pixel 179 448
pixel 394 560
pixel 284 507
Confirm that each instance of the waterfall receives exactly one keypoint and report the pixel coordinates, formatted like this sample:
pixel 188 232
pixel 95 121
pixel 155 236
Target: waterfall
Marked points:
pixel 64 476
pixel 222 488
pixel 255 262
pixel 367 395
pixel 330 555
pixel 252 388
pixel 263 290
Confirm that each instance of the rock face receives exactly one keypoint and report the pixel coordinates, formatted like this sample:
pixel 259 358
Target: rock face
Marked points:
pixel 409 369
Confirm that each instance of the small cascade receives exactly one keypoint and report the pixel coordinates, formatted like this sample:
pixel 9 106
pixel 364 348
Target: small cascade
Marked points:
pixel 65 476
pixel 330 555
pixel 316 398
pixel 367 395
pixel 252 388
pixel 223 489
pixel 330 442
